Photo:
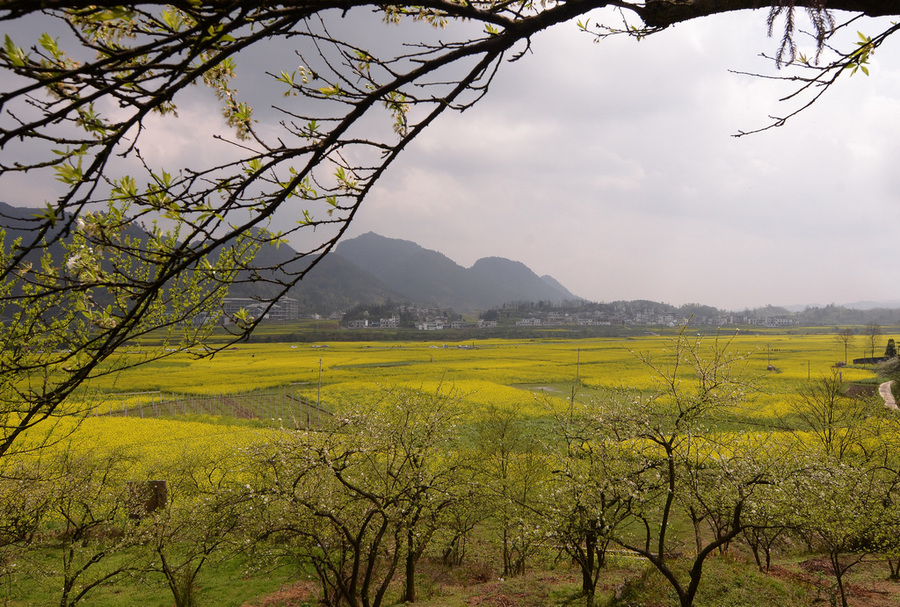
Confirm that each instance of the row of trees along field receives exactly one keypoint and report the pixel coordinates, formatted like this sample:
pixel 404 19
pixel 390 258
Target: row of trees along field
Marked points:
pixel 672 477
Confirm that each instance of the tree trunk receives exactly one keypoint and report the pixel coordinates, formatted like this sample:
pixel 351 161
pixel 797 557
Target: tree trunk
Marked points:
pixel 894 565
pixel 839 576
pixel 698 537
pixel 409 590
pixel 507 567
pixel 587 567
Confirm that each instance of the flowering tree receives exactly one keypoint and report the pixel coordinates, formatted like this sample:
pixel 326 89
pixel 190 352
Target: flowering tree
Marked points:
pixel 511 470
pixel 205 512
pixel 362 501
pixel 679 468
pixel 65 522
pixel 583 504
pixel 835 422
pixel 840 507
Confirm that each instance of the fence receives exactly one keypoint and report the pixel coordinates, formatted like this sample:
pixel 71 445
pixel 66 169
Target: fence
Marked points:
pixel 282 406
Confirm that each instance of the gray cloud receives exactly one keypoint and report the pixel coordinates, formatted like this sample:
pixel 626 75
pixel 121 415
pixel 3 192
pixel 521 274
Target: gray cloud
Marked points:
pixel 611 166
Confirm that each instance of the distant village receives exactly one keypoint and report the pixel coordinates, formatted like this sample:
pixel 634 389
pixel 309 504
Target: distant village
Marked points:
pixel 546 315
pixel 391 315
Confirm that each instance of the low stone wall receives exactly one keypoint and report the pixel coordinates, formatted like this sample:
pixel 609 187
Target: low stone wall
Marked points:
pixel 870 361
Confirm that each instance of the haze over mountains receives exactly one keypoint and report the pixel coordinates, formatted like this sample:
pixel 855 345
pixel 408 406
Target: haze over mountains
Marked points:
pixel 372 269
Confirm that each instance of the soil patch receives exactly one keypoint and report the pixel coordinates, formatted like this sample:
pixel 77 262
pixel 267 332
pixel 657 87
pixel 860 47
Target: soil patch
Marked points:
pixel 297 594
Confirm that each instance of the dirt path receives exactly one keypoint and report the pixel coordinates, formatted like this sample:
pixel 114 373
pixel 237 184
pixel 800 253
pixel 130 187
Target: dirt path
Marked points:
pixel 885 391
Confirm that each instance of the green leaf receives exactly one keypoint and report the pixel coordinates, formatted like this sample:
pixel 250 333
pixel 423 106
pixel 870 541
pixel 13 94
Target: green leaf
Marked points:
pixel 172 19
pixel 50 45
pixel 14 54
pixel 254 165
pixel 69 173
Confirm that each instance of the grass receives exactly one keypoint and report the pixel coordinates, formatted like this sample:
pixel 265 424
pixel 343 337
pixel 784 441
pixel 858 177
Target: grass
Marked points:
pixel 227 583
pixel 728 582
pixel 731 581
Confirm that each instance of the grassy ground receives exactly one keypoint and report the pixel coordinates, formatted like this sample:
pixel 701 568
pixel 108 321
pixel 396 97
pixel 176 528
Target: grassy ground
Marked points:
pixel 731 581
pixel 228 583
pixel 728 582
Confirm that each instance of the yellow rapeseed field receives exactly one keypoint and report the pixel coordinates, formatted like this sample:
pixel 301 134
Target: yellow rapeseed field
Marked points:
pixel 527 376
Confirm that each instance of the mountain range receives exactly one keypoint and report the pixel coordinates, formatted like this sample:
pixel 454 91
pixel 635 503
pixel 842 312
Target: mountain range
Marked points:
pixel 372 269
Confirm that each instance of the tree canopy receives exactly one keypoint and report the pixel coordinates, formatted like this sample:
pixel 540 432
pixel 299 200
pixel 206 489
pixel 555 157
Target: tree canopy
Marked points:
pixel 130 245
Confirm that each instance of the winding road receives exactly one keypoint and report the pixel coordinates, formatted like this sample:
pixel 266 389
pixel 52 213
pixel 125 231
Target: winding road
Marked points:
pixel 885 391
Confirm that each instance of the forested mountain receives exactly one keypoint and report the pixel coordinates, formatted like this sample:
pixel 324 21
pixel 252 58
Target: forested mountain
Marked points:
pixel 366 269
pixel 333 284
pixel 372 269
pixel 428 277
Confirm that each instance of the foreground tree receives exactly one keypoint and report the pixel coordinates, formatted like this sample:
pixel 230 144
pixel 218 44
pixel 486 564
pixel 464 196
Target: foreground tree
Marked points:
pixel 361 502
pixel 93 530
pixel 679 468
pixel 582 505
pixel 25 501
pixel 204 514
pixel 511 470
pixel 840 507
pixel 79 101
pixel 835 422
pixel 64 521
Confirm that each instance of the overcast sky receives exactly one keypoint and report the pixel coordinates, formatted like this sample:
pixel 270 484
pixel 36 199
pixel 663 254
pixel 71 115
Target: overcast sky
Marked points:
pixel 612 167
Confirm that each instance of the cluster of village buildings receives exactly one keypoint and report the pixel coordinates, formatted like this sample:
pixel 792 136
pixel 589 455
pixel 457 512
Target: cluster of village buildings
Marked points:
pixel 432 319
pixel 555 319
pixel 666 319
pixel 432 324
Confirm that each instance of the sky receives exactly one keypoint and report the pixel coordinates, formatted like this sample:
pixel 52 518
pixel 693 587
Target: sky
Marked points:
pixel 613 168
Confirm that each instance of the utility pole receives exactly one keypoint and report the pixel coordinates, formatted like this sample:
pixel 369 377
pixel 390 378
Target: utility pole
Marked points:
pixel 577 364
pixel 318 397
pixel 319 389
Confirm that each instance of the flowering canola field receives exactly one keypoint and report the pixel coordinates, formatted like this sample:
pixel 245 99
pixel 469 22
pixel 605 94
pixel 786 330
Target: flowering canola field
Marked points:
pixel 497 373
pixel 530 377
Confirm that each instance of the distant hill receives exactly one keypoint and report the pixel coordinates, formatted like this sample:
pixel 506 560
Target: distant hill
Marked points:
pixel 497 280
pixel 557 286
pixel 421 275
pixel 366 269
pixel 428 277
pixel 337 284
pixel 19 222
pixel 372 269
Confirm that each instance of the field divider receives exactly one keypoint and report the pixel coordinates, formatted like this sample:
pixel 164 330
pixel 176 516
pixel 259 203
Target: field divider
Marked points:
pixel 281 403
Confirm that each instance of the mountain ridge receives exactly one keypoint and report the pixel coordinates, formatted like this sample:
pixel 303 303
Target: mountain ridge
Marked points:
pixel 404 272
pixel 430 277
